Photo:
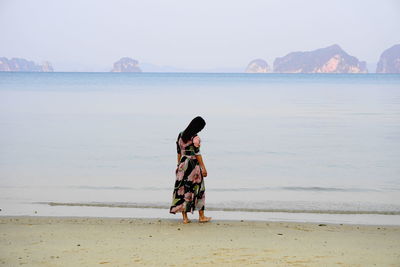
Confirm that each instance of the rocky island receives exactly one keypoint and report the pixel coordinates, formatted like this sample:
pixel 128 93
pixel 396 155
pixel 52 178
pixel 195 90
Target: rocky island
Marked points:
pixel 331 59
pixel 389 61
pixel 23 65
pixel 126 64
pixel 258 66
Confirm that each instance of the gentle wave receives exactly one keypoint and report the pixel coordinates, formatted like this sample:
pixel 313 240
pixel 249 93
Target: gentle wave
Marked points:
pixel 245 189
pixel 225 189
pixel 236 209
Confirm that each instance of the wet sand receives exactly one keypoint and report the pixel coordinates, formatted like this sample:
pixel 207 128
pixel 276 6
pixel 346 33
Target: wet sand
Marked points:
pixel 59 241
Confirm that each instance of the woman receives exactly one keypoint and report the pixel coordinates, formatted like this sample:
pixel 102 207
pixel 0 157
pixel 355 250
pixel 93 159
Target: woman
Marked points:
pixel 189 191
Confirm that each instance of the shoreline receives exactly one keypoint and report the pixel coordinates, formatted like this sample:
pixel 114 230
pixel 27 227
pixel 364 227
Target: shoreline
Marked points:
pixel 31 209
pixel 177 218
pixel 89 241
pixel 223 209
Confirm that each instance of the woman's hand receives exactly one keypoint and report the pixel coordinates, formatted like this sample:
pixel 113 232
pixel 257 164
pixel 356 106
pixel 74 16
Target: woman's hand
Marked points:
pixel 204 172
pixel 202 167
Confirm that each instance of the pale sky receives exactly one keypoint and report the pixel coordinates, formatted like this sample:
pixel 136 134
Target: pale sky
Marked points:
pixel 90 35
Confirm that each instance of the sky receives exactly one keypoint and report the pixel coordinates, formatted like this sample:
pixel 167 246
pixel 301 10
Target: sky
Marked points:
pixel 207 35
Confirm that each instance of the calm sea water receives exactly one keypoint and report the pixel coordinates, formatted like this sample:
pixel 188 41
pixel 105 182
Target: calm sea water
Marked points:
pixel 98 143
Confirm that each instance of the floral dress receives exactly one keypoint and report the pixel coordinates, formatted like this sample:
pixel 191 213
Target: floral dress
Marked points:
pixel 189 190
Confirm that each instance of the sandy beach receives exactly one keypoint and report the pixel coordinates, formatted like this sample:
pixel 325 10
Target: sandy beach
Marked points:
pixel 58 241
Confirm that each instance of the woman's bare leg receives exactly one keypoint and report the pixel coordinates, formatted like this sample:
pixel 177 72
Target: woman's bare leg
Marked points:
pixel 185 217
pixel 203 218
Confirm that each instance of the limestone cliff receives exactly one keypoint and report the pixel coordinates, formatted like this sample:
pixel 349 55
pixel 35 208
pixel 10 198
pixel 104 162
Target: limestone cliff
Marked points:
pixel 126 64
pixel 23 65
pixel 331 59
pixel 47 67
pixel 389 61
pixel 257 66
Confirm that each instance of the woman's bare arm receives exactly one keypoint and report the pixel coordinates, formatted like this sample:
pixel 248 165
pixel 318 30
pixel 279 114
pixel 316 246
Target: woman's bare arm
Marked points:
pixel 179 158
pixel 202 166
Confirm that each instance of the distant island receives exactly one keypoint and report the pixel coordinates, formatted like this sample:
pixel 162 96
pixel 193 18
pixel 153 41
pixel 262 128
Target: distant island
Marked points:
pixel 389 61
pixel 258 66
pixel 126 64
pixel 331 59
pixel 23 65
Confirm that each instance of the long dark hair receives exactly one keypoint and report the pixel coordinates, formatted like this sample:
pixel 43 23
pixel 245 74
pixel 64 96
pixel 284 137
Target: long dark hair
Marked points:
pixel 195 126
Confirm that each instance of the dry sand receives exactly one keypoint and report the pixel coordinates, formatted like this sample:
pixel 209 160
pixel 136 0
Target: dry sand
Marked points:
pixel 55 241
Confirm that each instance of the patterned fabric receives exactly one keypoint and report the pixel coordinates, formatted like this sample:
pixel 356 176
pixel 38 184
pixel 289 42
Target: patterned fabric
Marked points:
pixel 189 190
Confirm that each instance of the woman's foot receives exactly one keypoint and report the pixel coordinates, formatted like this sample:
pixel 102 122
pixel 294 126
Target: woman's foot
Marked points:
pixel 204 219
pixel 185 218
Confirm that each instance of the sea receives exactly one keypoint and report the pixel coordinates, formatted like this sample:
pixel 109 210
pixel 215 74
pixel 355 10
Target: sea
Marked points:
pixel 318 148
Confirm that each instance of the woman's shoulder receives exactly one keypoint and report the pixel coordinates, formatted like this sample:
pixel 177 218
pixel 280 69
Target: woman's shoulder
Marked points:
pixel 180 138
pixel 196 140
pixel 180 134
